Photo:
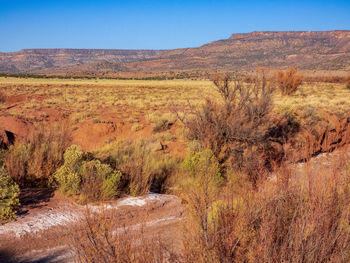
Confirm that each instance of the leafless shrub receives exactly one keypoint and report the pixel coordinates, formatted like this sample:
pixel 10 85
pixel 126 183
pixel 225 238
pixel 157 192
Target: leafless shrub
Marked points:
pixel 288 81
pixel 235 129
pixel 98 239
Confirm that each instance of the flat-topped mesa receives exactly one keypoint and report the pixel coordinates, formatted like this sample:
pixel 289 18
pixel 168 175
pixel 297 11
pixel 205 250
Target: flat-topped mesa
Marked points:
pixel 306 50
pixel 293 34
pixel 71 51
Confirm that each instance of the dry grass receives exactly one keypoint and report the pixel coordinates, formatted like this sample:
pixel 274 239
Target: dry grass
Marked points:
pixel 84 99
pixel 38 159
pixel 287 219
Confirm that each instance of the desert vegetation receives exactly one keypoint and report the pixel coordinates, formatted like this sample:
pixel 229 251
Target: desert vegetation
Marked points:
pixel 288 81
pixel 227 148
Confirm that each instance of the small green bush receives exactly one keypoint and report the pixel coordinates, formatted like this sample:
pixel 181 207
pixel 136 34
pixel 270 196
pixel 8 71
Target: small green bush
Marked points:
pixel 9 196
pixel 68 176
pixel 90 179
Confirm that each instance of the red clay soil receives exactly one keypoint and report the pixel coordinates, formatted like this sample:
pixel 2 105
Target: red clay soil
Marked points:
pixel 320 138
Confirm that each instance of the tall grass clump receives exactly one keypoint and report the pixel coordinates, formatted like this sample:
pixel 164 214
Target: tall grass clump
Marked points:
pixel 142 168
pixel 33 162
pixel 199 188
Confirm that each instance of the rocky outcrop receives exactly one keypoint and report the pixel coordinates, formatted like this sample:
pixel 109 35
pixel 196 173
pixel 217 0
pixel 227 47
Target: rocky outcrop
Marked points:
pixel 325 136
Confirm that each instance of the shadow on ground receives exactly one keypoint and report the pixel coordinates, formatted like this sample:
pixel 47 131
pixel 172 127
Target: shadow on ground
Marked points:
pixel 55 257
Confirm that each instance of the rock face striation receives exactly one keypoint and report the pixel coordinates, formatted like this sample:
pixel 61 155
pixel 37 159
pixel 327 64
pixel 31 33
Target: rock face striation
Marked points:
pixel 311 50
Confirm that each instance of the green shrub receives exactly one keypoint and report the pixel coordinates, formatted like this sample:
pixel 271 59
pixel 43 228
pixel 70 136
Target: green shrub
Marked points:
pixel 9 196
pixel 68 176
pixel 90 179
pixel 110 185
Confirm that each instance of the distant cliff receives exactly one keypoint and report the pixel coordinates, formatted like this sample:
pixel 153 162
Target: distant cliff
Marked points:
pixel 312 50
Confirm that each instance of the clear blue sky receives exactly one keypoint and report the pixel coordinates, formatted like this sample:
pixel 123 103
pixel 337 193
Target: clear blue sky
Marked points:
pixel 151 24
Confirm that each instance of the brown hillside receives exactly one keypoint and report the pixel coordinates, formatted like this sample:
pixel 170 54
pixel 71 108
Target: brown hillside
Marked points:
pixel 309 50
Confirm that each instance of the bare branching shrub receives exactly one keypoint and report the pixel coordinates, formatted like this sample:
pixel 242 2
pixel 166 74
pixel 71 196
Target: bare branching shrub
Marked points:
pixel 235 129
pixel 98 239
pixel 36 160
pixel 288 81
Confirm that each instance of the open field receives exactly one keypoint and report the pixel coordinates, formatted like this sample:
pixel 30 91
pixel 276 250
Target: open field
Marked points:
pixel 106 119
pixel 92 97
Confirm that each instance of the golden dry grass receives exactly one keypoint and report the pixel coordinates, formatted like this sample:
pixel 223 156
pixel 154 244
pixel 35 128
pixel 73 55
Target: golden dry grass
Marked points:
pixel 87 98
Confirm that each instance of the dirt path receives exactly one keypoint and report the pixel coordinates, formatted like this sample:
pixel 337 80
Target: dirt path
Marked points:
pixel 37 232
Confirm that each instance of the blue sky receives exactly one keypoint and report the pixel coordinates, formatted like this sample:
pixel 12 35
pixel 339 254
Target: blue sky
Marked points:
pixel 151 24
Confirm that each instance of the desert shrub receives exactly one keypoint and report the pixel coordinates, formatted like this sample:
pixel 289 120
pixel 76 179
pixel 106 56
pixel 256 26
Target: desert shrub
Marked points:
pixel 162 122
pixel 304 219
pixel 286 125
pixel 90 179
pixel 68 176
pixel 348 83
pixel 235 129
pixel 46 151
pixel 99 181
pixel 35 161
pixel 141 168
pixel 97 238
pixel 9 196
pixel 199 188
pixel 16 162
pixel 288 81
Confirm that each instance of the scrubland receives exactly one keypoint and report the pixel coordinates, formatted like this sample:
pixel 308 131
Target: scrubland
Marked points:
pixel 223 146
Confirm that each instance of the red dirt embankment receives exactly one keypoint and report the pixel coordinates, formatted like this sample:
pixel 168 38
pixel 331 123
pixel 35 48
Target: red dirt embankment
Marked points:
pixel 324 136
